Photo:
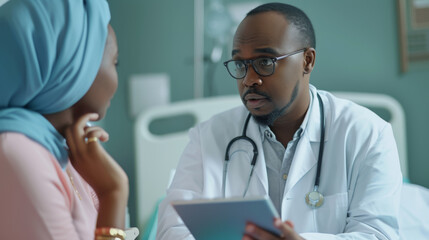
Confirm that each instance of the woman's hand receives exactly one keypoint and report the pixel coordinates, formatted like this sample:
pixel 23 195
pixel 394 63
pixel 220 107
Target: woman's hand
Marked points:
pixel 99 169
pixel 253 232
pixel 90 159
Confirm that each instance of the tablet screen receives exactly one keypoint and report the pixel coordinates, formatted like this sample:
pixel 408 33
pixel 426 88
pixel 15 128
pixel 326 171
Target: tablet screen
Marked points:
pixel 226 218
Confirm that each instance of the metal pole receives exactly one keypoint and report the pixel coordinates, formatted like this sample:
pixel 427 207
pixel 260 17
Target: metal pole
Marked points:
pixel 198 48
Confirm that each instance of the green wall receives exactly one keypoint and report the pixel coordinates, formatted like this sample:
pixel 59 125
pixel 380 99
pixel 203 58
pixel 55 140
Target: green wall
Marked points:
pixel 357 50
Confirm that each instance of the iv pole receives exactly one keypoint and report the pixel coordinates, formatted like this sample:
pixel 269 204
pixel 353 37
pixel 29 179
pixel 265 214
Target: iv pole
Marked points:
pixel 198 48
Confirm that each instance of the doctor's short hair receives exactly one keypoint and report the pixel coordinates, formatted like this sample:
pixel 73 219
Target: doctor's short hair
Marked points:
pixel 294 16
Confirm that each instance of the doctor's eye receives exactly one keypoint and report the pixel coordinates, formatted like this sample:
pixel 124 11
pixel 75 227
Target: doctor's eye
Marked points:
pixel 264 62
pixel 239 65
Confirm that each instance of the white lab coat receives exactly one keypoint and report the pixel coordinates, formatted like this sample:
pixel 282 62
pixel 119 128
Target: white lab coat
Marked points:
pixel 360 175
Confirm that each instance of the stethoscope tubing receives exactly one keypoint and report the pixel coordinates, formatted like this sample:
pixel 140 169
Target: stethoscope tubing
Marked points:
pixel 255 154
pixel 253 163
pixel 322 142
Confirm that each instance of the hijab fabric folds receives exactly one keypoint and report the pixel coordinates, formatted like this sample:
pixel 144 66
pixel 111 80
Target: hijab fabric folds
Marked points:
pixel 50 53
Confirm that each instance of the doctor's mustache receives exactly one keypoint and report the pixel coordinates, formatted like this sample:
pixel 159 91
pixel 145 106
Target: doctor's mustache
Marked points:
pixel 254 91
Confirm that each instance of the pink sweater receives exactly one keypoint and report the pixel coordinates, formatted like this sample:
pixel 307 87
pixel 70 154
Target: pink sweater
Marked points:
pixel 37 198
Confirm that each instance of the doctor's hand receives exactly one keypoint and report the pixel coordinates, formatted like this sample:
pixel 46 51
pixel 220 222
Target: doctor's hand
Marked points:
pixel 253 232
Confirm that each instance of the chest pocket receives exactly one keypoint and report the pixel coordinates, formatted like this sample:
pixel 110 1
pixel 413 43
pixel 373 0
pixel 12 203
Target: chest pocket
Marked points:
pixel 331 216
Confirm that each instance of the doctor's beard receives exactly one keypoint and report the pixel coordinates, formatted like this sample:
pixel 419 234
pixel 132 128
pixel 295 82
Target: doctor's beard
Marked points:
pixel 271 117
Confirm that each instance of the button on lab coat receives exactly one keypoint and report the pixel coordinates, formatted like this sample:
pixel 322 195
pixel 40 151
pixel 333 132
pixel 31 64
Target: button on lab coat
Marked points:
pixel 360 174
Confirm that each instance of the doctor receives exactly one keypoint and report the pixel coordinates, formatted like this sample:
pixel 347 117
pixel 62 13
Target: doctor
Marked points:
pixel 297 131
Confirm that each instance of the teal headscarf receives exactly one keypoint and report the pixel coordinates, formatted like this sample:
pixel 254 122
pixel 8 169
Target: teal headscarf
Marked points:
pixel 50 53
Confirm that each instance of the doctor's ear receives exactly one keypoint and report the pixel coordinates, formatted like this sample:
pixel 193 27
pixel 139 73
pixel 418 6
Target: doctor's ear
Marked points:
pixel 306 70
pixel 309 60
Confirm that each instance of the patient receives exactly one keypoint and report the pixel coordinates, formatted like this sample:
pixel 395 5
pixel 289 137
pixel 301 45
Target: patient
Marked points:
pixel 57 72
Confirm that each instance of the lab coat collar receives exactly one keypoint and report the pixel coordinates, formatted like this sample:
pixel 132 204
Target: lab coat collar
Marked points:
pixel 305 157
pixel 313 129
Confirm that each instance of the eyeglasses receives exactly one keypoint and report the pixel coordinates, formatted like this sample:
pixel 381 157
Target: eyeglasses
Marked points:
pixel 263 66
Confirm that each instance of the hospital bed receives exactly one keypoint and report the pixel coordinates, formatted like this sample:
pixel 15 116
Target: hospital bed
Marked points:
pixel 161 136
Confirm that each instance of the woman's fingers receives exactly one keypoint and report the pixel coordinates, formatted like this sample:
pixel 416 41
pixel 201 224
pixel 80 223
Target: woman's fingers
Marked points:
pixel 78 130
pixel 97 132
pixel 77 136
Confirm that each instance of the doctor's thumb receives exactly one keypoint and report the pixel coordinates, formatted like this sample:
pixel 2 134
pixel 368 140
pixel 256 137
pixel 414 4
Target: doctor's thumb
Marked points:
pixel 289 223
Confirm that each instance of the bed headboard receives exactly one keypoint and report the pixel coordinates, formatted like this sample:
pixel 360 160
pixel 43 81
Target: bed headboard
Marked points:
pixel 158 154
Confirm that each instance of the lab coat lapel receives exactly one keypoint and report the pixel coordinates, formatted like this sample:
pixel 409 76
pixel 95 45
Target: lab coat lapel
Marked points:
pixel 304 160
pixel 306 154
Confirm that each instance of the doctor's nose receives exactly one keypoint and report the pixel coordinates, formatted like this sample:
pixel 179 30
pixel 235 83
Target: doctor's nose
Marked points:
pixel 252 78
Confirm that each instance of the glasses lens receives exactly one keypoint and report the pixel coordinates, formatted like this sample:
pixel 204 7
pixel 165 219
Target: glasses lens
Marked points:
pixel 264 66
pixel 237 69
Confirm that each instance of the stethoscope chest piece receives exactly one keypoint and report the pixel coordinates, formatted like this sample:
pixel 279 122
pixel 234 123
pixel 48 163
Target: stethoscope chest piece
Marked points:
pixel 314 199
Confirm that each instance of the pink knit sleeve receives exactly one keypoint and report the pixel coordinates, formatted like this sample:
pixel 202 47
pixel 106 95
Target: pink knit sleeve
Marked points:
pixel 38 200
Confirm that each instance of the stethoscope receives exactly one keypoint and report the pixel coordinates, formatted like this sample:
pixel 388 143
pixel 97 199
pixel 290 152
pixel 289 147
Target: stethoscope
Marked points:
pixel 314 199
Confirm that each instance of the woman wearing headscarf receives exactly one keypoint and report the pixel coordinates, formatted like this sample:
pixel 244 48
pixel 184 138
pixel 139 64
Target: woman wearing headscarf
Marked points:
pixel 57 72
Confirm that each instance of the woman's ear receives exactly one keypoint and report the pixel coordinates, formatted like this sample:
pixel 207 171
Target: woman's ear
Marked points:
pixel 309 60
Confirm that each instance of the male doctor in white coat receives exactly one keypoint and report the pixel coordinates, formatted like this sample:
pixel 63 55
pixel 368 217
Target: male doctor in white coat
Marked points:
pixel 360 178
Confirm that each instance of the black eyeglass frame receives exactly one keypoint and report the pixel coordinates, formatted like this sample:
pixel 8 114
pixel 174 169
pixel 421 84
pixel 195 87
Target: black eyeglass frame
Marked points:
pixel 251 61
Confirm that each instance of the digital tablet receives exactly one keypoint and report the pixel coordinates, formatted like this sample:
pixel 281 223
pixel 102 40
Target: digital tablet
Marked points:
pixel 226 218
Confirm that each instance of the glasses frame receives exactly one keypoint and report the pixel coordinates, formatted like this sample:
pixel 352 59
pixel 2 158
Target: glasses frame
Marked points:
pixel 251 61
